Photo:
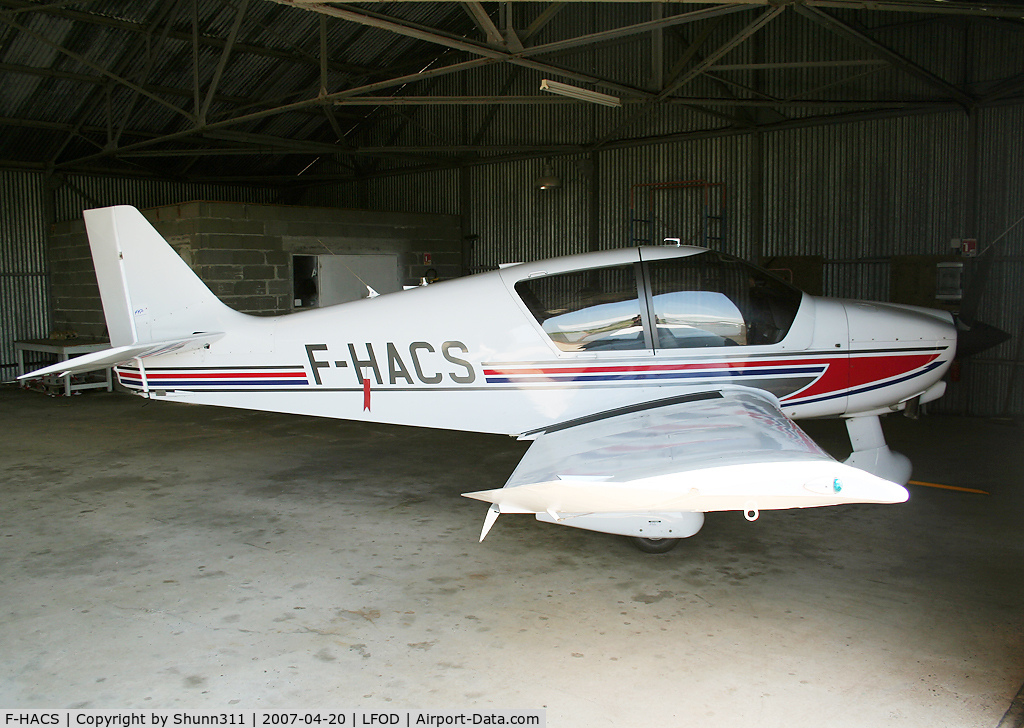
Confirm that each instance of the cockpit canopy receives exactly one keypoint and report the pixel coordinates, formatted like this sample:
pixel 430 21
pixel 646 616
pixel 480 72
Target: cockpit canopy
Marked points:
pixel 702 300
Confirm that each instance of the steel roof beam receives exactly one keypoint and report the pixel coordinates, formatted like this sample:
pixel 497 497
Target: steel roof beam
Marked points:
pixel 456 101
pixel 223 61
pixel 323 55
pixel 96 67
pixel 709 60
pixel 70 128
pixel 627 30
pixel 268 140
pixel 35 7
pixel 120 66
pixel 526 59
pixel 410 30
pixel 564 150
pixel 941 7
pixel 845 31
pixel 692 49
pixel 490 55
pixel 692 52
pixel 1003 89
pixel 98 81
pixel 832 84
pixel 246 151
pixel 538 24
pixel 301 58
pixel 313 60
pixel 484 23
pixel 152 51
pixel 795 64
pixel 299 105
pixel 695 70
pixel 521 58
pixel 673 100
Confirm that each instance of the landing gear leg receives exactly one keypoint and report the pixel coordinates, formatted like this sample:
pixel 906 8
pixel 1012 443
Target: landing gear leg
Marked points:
pixel 870 452
pixel 654 545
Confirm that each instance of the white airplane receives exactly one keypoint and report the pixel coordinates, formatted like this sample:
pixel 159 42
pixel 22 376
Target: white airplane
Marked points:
pixel 656 383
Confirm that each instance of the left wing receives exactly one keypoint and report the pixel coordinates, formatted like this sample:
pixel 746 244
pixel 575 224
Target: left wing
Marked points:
pixel 730 449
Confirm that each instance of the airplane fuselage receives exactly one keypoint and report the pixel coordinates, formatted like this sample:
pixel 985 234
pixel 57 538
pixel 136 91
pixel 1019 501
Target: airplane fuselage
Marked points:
pixel 517 349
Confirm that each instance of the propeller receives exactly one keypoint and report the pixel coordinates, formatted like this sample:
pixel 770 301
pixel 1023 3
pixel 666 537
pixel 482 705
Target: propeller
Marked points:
pixel 976 337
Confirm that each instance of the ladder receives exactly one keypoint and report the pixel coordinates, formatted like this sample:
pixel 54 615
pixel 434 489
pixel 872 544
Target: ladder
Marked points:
pixel 642 217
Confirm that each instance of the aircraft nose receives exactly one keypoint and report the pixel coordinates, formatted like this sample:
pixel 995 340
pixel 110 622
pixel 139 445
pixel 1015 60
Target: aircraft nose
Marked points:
pixel 897 325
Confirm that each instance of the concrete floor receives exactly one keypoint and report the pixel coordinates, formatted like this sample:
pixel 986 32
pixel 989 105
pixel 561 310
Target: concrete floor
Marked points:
pixel 163 555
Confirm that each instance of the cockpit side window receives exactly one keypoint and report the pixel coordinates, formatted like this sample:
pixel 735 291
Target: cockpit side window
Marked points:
pixel 589 310
pixel 710 299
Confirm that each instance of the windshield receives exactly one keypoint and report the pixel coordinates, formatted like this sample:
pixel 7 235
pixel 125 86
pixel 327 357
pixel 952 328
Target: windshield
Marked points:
pixel 587 310
pixel 703 300
pixel 710 299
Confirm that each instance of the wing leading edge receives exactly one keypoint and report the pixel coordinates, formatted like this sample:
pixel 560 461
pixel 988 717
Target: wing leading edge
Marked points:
pixel 731 449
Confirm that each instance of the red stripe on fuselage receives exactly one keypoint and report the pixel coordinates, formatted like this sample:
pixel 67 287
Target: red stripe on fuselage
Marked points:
pixel 867 369
pixel 490 372
pixel 842 371
pixel 860 370
pixel 156 376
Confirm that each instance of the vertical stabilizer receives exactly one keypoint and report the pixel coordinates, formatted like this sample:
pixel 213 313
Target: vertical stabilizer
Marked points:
pixel 149 293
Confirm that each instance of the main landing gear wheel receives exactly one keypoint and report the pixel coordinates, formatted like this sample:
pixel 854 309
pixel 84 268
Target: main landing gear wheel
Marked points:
pixel 654 545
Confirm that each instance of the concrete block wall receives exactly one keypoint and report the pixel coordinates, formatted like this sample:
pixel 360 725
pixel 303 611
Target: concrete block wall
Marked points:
pixel 244 252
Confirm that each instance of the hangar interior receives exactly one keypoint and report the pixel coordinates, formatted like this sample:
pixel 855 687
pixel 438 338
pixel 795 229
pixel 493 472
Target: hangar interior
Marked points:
pixel 853 147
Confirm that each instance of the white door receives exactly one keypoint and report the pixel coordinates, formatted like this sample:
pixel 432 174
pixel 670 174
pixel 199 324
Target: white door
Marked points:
pixel 345 277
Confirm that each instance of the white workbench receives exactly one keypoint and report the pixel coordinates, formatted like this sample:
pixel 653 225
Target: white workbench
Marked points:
pixel 64 349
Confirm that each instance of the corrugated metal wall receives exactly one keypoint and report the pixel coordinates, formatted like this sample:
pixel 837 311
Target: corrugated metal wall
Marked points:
pixel 679 212
pixel 986 386
pixel 858 193
pixel 515 221
pixel 28 205
pixel 854 193
pixel 81 193
pixel 24 302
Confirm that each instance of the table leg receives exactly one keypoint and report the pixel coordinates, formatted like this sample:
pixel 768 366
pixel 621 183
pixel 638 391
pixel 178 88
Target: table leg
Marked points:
pixel 20 353
pixel 67 379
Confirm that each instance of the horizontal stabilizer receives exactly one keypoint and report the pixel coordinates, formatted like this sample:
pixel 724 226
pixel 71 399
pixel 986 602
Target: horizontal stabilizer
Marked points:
pixel 123 354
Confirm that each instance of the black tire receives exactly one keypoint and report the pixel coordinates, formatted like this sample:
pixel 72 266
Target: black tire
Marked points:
pixel 654 545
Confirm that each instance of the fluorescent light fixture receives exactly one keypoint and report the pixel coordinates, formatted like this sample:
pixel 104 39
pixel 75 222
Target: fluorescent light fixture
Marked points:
pixel 575 92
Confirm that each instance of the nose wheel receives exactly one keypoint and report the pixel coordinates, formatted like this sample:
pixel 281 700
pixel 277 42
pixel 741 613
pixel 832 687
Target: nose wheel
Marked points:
pixel 654 545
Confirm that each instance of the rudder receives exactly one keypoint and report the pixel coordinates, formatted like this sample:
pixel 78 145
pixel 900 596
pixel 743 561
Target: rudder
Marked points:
pixel 149 293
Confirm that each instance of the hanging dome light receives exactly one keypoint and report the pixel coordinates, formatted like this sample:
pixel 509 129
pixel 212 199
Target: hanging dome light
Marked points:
pixel 547 179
